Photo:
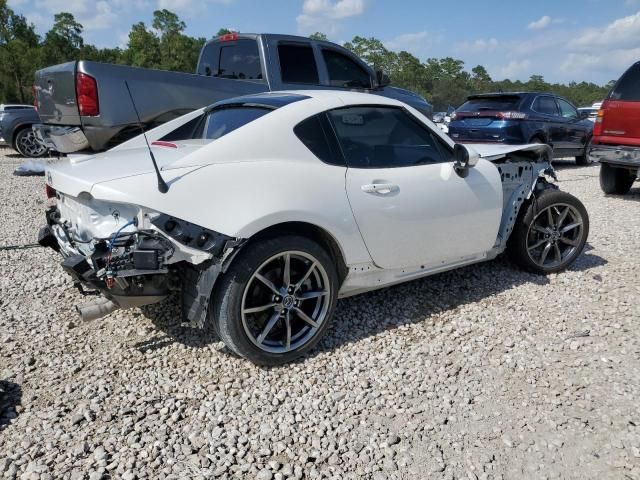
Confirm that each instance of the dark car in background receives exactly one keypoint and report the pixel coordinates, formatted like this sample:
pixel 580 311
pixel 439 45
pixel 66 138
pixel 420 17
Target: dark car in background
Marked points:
pixel 16 132
pixel 523 117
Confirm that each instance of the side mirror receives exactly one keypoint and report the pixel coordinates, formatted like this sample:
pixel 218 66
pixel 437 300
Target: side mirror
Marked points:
pixel 584 115
pixel 382 79
pixel 465 158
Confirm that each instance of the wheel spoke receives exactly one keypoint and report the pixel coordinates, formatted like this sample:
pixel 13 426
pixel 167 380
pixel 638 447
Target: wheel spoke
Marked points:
pixel 533 247
pixel 306 275
pixel 558 253
pixel 306 317
pixel 539 229
pixel 287 323
pixel 545 252
pixel 272 321
pixel 287 270
pixel 261 308
pixel 571 226
pixel 308 295
pixel 268 283
pixel 550 218
pixel 568 241
pixel 563 216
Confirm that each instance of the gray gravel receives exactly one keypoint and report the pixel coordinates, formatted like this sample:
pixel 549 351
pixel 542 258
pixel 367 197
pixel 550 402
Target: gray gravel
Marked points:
pixel 485 372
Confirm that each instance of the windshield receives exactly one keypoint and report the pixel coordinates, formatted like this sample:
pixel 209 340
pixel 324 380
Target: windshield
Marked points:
pixel 222 121
pixel 498 103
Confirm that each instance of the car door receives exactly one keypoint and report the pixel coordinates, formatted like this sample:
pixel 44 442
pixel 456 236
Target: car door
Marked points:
pixel 548 114
pixel 410 205
pixel 575 129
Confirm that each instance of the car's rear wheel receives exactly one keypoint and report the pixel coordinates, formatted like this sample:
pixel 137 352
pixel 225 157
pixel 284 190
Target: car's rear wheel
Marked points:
pixel 27 145
pixel 615 180
pixel 584 159
pixel 276 300
pixel 550 233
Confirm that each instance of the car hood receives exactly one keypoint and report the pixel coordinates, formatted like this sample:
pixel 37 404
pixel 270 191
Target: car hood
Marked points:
pixel 80 174
pixel 495 152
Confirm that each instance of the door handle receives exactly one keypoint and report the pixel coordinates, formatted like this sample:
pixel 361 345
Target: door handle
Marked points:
pixel 380 188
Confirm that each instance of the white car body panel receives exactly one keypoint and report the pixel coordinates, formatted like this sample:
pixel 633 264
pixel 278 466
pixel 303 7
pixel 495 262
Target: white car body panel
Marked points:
pixel 262 175
pixel 428 219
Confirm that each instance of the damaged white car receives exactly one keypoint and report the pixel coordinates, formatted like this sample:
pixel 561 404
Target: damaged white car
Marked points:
pixel 265 209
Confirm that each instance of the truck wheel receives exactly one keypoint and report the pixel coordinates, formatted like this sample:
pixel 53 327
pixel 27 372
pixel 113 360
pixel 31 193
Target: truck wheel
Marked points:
pixel 26 144
pixel 276 300
pixel 615 180
pixel 550 233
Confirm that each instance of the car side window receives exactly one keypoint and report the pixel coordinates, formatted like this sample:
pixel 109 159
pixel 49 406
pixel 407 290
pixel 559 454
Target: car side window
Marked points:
pixel 546 105
pixel 383 137
pixel 316 134
pixel 568 111
pixel 345 72
pixel 297 64
pixel 240 61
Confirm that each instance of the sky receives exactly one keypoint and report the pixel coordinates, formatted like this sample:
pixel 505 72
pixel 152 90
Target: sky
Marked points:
pixel 591 40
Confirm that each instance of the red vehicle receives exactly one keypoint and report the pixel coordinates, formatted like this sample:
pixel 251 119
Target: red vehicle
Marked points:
pixel 616 134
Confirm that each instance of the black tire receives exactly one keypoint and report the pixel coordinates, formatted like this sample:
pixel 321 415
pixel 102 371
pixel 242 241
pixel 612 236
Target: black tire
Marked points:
pixel 229 295
pixel 25 144
pixel 614 180
pixel 526 234
pixel 583 159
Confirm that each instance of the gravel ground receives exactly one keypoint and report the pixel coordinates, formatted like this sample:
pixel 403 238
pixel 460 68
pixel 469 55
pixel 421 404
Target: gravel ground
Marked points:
pixel 485 372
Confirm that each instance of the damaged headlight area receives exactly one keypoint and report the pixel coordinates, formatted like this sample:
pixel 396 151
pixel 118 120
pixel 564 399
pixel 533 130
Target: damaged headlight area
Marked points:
pixel 133 260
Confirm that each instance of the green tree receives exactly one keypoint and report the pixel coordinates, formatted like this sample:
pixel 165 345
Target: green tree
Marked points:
pixel 63 42
pixel 373 51
pixel 19 55
pixel 143 49
pixel 319 36
pixel 224 31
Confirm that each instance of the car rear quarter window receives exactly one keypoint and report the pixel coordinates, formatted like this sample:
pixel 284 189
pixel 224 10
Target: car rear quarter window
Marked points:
pixel 546 105
pixel 495 103
pixel 223 121
pixel 316 134
pixel 383 137
pixel 297 64
pixel 240 61
pixel 344 71
pixel 628 87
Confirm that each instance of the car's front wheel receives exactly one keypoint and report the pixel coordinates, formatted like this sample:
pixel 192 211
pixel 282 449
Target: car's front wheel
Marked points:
pixel 550 232
pixel 276 300
pixel 615 180
pixel 27 145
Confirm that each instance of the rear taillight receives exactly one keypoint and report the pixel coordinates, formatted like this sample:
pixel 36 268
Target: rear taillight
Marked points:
pixel 49 191
pixel 597 126
pixel 87 93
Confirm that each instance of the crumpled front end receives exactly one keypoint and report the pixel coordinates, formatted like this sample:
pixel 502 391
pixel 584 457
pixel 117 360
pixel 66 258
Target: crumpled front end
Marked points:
pixel 132 255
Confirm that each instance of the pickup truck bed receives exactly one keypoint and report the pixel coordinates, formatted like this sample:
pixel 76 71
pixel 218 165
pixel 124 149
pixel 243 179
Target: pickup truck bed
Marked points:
pixel 85 105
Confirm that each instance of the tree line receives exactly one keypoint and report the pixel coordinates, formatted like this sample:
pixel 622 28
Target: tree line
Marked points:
pixel 445 82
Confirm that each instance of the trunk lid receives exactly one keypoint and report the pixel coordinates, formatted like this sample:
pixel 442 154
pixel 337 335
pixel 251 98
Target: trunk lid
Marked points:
pixel 73 176
pixel 55 90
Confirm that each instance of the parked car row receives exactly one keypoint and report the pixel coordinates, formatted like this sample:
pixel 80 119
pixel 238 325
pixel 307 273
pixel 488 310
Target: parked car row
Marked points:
pixel 263 210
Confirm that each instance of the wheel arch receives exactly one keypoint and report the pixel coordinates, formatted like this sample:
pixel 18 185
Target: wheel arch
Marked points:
pixel 312 232
pixel 17 129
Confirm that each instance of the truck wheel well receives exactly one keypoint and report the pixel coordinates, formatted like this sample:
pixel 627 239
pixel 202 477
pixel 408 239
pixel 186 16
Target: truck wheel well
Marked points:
pixel 312 232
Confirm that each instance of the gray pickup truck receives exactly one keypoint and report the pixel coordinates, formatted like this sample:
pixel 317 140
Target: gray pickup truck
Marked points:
pixel 85 105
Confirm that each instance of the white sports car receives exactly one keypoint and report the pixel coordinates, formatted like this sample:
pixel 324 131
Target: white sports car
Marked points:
pixel 266 209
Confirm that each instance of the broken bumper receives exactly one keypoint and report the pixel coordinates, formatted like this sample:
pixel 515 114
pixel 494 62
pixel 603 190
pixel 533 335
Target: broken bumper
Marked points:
pixel 616 155
pixel 61 139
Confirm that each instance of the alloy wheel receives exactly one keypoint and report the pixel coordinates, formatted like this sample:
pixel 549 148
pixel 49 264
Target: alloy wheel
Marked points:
pixel 28 145
pixel 555 235
pixel 285 302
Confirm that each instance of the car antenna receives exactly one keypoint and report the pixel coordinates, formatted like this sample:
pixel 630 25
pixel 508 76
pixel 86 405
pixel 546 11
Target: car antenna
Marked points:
pixel 162 185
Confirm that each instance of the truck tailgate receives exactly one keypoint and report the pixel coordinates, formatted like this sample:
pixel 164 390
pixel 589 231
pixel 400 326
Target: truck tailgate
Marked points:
pixel 55 90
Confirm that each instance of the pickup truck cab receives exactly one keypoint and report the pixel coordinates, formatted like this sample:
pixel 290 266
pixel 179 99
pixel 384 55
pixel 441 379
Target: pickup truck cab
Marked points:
pixel 85 105
pixel 616 134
